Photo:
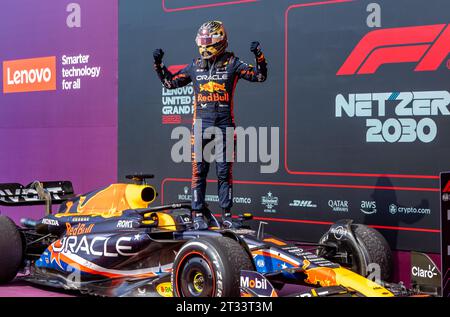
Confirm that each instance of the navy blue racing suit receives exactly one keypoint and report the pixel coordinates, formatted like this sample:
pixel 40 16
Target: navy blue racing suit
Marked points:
pixel 214 83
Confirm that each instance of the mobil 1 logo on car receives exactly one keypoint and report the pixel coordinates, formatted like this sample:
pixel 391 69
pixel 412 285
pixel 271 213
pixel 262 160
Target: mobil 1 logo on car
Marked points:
pixel 255 284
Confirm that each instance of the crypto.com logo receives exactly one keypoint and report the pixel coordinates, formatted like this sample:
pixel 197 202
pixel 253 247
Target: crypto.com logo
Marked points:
pixel 428 45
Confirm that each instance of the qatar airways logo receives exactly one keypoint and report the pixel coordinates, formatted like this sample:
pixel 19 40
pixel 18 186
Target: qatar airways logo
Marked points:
pixel 427 45
pixel 396 116
pixel 33 74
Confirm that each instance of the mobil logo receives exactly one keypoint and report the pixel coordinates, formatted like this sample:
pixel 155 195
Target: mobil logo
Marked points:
pixel 32 74
pixel 253 282
pixel 426 45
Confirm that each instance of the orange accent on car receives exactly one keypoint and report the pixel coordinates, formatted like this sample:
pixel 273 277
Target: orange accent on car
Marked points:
pixel 324 276
pixel 274 241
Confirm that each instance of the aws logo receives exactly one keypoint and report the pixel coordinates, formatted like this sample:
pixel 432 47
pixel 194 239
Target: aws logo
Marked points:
pixel 426 45
pixel 32 74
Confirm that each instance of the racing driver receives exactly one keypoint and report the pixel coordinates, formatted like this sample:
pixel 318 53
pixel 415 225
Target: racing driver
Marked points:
pixel 214 76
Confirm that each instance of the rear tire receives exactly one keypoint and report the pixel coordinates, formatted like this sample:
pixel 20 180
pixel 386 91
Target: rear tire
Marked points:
pixel 209 267
pixel 11 250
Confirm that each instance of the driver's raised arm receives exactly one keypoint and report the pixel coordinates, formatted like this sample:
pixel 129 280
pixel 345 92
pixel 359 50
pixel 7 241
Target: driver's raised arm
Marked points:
pixel 256 73
pixel 169 80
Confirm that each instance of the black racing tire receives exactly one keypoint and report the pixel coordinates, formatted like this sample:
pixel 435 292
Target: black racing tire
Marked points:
pixel 11 250
pixel 369 248
pixel 209 267
pixel 376 248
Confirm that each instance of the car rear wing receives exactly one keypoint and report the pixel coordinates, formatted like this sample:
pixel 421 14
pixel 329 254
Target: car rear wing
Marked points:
pixel 36 193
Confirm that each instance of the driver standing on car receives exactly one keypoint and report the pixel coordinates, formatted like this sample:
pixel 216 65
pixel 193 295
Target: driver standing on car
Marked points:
pixel 214 76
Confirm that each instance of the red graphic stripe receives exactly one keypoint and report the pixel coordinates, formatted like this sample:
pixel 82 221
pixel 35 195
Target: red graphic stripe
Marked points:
pixel 304 221
pixel 389 37
pixel 397 228
pixel 203 6
pixel 396 54
pixel 171 119
pixel 446 188
pixel 437 53
pixel 329 223
pixel 426 189
pixel 176 68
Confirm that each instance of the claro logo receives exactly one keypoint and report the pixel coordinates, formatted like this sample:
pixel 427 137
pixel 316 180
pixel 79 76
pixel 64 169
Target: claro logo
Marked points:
pixel 33 74
pixel 427 45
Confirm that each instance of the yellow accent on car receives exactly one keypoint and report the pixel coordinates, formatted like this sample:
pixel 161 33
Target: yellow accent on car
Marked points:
pixel 166 222
pixel 366 287
pixel 111 201
pixel 134 195
pixel 198 282
pixel 165 289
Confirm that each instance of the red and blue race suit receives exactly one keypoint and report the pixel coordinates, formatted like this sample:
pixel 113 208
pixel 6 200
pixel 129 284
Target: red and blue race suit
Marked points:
pixel 214 83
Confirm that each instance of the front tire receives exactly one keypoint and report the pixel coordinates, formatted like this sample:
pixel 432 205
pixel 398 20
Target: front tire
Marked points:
pixel 368 247
pixel 209 267
pixel 377 249
pixel 11 250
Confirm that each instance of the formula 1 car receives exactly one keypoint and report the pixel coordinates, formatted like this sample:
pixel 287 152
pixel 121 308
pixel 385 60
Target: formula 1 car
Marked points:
pixel 110 242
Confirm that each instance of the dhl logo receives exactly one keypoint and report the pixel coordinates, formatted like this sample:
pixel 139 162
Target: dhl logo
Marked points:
pixel 211 86
pixel 33 74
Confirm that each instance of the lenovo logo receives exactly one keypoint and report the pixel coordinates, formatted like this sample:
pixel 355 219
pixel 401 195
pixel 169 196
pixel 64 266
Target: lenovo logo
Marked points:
pixel 426 45
pixel 33 74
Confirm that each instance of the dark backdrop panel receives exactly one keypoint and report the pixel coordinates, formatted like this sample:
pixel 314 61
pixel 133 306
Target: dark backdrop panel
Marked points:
pixel 305 194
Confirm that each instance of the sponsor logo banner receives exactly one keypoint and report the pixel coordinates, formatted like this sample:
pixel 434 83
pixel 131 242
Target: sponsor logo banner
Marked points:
pixel 424 272
pixel 302 203
pixel 445 233
pixel 396 209
pixel 32 74
pixel 368 207
pixel 177 104
pixel 255 283
pixel 269 201
pixel 339 205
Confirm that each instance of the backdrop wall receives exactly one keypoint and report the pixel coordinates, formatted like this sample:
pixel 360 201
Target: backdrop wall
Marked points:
pixel 58 105
pixel 363 135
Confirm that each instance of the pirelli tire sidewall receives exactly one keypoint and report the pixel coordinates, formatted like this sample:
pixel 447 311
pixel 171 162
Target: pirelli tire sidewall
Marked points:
pixel 11 250
pixel 226 258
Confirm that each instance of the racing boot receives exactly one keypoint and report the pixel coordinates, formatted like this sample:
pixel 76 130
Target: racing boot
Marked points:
pixel 199 221
pixel 227 220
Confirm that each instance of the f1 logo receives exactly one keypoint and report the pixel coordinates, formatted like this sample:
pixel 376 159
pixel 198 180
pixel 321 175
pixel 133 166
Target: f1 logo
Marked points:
pixel 428 45
pixel 446 188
